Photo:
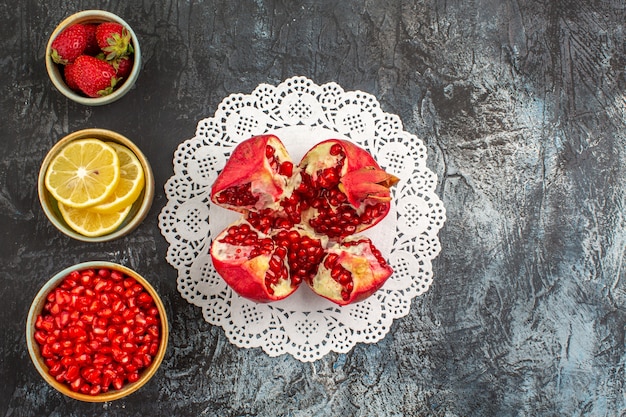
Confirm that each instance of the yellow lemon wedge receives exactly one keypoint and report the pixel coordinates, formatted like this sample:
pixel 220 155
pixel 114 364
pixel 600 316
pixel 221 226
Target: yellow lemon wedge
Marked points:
pixel 91 224
pixel 84 173
pixel 130 185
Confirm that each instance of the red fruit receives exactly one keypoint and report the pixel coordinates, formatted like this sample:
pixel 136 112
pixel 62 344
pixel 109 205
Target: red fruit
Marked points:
pixel 114 40
pixel 123 66
pixel 351 271
pixel 299 218
pixel 71 76
pixel 69 44
pixel 252 179
pixel 91 352
pixel 264 267
pixel 96 78
pixel 92 47
pixel 347 190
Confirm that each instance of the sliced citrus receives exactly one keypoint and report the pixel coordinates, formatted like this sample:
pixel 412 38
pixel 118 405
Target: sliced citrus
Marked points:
pixel 84 173
pixel 91 224
pixel 130 185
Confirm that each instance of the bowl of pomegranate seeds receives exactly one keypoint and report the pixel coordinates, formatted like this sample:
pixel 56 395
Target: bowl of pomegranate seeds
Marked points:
pixel 97 331
pixel 93 57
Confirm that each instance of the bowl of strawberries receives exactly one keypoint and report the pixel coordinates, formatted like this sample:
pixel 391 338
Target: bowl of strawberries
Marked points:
pixel 93 57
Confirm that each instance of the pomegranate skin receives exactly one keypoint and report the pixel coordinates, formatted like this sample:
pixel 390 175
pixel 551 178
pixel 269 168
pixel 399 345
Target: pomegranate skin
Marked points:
pixel 367 268
pixel 246 273
pixel 249 164
pixel 247 280
pixel 365 184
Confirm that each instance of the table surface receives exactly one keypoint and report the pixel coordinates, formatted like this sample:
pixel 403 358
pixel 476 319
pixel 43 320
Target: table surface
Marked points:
pixel 522 108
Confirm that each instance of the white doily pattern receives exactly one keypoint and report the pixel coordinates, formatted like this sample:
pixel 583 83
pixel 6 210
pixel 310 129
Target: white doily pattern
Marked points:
pixel 302 114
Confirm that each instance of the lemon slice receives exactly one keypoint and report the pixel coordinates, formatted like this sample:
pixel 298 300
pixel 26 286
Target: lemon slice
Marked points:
pixel 84 173
pixel 130 185
pixel 91 224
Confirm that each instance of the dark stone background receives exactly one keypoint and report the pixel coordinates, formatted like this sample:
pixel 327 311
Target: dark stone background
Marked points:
pixel 522 107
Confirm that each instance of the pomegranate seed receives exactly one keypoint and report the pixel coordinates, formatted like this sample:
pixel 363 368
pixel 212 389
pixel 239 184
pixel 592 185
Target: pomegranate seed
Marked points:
pixel 336 149
pixel 286 169
pixel 133 377
pixel 144 298
pixel 88 330
pixel 55 369
pixel 76 384
pixel 40 337
pixel 104 273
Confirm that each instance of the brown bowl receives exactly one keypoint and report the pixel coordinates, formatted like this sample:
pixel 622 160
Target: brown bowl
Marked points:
pixel 140 207
pixel 54 71
pixel 34 348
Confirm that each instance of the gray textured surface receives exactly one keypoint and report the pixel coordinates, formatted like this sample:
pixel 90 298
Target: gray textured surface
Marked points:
pixel 522 107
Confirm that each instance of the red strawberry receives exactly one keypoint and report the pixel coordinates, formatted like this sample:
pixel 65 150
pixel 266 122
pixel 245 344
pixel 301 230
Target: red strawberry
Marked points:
pixel 96 78
pixel 114 40
pixel 92 47
pixel 71 76
pixel 69 44
pixel 124 66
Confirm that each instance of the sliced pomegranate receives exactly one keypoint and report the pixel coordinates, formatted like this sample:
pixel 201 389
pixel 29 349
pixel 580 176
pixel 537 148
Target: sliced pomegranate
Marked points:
pixel 299 222
pixel 343 189
pixel 264 267
pixel 255 177
pixel 351 271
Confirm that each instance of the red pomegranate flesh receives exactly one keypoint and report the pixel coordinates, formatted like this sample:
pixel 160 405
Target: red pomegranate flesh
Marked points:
pixel 299 221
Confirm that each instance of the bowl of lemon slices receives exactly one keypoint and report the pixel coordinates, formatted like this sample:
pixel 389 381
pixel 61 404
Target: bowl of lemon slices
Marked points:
pixel 95 185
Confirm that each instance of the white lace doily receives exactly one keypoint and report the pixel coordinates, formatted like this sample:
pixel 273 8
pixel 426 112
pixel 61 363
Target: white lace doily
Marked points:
pixel 302 114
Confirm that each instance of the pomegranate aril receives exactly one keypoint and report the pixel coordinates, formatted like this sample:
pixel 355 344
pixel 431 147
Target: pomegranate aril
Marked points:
pixel 94 345
pixel 101 359
pixel 72 372
pixel 54 309
pixel 128 282
pixel 153 331
pixel 76 384
pixel 118 383
pixel 345 278
pixel 118 306
pixel 82 359
pixel 133 377
pixel 336 149
pixel 80 322
pixel 55 369
pixel 286 169
pixel 40 337
pixel 240 195
pixel 104 273
pixel 87 318
pixel 144 298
